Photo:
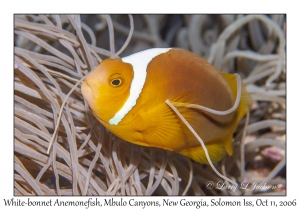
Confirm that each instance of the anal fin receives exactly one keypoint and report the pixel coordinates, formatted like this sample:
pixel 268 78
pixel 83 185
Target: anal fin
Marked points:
pixel 227 142
pixel 216 153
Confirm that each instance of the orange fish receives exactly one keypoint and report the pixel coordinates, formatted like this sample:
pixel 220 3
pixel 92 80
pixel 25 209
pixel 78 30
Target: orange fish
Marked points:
pixel 128 96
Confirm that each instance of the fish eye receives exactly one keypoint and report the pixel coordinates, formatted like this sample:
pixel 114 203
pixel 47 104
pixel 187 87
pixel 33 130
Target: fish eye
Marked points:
pixel 116 80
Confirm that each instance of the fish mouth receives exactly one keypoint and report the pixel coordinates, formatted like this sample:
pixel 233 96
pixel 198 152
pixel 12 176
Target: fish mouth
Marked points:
pixel 86 83
pixel 85 87
pixel 86 91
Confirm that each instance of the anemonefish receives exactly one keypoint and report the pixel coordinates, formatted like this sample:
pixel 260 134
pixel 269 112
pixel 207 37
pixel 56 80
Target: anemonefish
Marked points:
pixel 128 96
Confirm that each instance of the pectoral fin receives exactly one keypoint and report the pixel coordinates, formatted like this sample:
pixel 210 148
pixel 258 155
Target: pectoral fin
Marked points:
pixel 160 127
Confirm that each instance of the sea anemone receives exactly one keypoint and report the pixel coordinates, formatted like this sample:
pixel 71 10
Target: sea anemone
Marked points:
pixel 54 52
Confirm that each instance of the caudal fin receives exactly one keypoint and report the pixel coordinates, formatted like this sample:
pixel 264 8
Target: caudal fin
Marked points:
pixel 244 106
pixel 246 99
